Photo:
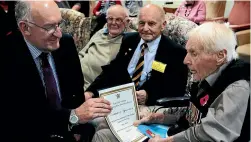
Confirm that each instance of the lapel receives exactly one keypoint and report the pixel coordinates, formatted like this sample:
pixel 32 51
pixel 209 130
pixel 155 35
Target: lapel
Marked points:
pixel 27 68
pixel 162 52
pixel 132 47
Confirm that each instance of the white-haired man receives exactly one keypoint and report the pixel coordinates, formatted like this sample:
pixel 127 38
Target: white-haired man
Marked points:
pixel 220 101
pixel 104 45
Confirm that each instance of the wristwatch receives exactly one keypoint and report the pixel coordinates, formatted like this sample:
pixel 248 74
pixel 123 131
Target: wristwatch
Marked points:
pixel 73 117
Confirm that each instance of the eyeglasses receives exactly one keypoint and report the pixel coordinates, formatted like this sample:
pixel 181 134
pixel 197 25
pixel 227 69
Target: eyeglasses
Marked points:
pixel 51 29
pixel 117 20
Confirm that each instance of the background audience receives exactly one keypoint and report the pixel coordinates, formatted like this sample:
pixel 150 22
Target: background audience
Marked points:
pixel 193 10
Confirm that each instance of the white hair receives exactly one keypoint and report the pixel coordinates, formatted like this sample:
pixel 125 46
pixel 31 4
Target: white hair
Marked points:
pixel 126 12
pixel 215 37
pixel 158 8
pixel 22 11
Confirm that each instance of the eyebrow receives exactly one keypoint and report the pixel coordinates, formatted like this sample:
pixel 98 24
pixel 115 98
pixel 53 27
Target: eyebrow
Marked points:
pixel 49 24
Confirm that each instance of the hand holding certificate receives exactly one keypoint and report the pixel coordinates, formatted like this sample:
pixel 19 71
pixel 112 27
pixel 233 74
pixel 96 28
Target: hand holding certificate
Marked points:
pixel 124 112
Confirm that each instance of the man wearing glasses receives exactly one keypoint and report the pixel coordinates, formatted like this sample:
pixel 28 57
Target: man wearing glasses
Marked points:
pixel 104 45
pixel 43 97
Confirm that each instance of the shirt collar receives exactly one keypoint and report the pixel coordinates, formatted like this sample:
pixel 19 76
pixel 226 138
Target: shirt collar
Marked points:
pixel 34 51
pixel 212 77
pixel 106 32
pixel 151 48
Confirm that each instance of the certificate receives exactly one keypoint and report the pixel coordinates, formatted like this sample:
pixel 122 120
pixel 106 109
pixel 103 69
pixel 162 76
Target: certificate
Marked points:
pixel 124 112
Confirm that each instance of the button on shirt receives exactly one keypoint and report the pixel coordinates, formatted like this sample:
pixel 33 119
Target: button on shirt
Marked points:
pixel 35 55
pixel 149 57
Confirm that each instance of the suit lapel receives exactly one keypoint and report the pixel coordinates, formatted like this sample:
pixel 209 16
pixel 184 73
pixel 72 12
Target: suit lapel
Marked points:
pixel 162 50
pixel 132 46
pixel 27 66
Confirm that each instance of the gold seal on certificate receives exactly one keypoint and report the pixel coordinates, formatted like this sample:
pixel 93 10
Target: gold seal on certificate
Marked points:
pixel 124 112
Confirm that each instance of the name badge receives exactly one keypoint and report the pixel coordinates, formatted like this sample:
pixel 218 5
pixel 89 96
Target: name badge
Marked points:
pixel 158 66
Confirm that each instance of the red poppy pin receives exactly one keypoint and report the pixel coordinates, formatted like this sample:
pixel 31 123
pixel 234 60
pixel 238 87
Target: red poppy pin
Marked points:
pixel 203 101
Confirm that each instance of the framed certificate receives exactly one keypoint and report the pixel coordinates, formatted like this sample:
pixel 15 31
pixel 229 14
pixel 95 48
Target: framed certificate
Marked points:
pixel 124 112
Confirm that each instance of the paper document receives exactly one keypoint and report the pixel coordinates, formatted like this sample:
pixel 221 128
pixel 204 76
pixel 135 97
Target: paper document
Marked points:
pixel 124 112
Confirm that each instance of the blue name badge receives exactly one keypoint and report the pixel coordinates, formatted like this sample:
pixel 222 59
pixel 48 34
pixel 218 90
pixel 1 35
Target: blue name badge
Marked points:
pixel 154 129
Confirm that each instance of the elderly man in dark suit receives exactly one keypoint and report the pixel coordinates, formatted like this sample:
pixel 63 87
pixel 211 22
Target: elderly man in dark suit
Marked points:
pixel 42 82
pixel 162 72
pixel 147 58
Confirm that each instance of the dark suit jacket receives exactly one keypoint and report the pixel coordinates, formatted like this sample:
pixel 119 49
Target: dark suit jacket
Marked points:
pixel 170 83
pixel 28 115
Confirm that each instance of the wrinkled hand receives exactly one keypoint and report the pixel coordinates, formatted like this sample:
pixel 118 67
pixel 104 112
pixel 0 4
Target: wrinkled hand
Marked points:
pixel 141 97
pixel 159 139
pixel 93 108
pixel 88 95
pixel 152 118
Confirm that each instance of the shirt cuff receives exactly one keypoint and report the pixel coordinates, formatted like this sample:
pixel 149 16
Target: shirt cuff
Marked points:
pixel 180 137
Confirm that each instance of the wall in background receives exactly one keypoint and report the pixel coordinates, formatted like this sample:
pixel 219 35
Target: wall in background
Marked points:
pixel 229 5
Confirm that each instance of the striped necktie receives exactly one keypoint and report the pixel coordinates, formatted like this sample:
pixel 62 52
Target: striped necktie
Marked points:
pixel 139 67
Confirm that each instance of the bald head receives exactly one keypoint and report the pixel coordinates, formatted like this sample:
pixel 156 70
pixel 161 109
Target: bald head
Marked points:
pixel 151 22
pixel 153 9
pixel 117 20
pixel 39 21
pixel 30 10
pixel 118 9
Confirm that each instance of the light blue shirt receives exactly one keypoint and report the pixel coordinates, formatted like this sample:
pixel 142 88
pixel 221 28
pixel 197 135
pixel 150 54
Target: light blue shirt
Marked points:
pixel 35 55
pixel 149 57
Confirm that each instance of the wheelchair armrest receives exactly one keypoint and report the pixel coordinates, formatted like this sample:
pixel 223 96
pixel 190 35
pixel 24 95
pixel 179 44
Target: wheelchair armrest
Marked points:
pixel 174 101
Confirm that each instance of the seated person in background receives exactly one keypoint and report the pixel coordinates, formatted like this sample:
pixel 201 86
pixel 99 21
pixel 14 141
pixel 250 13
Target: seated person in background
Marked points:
pixel 104 45
pixel 192 10
pixel 219 109
pixel 100 12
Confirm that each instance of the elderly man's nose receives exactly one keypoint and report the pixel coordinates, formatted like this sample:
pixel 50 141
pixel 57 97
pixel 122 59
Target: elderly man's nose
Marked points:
pixel 58 33
pixel 146 27
pixel 186 60
pixel 114 21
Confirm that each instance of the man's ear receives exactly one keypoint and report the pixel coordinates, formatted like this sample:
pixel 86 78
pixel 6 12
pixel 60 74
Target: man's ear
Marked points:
pixel 221 57
pixel 127 21
pixel 24 28
pixel 163 26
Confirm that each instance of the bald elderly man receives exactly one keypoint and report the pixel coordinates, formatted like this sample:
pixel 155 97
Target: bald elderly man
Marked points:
pixel 138 52
pixel 43 97
pixel 153 48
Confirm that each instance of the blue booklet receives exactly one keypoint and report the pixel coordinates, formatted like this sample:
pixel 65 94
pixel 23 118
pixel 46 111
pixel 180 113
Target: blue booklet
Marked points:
pixel 153 129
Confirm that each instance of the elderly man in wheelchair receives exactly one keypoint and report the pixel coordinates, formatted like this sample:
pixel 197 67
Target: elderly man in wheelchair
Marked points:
pixel 219 99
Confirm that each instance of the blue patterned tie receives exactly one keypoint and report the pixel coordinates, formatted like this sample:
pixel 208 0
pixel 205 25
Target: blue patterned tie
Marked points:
pixel 50 82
